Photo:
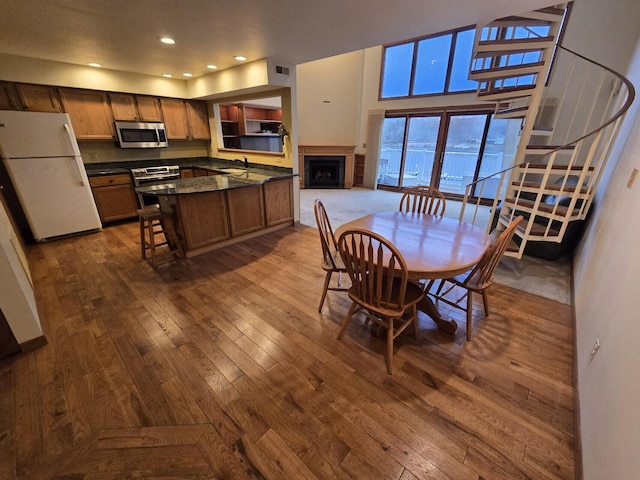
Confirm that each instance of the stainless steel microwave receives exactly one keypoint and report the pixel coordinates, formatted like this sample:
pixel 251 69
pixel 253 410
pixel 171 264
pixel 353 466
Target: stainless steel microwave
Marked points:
pixel 141 135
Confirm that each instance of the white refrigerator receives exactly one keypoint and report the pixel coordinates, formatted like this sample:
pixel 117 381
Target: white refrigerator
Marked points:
pixel 41 155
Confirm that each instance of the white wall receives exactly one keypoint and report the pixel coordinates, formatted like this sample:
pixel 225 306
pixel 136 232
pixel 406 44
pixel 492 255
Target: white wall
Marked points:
pixel 607 265
pixel 329 92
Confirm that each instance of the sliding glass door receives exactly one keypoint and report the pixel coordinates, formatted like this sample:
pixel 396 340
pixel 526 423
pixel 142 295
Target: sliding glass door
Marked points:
pixel 447 150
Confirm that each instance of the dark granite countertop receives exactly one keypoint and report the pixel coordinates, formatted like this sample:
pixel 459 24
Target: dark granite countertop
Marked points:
pixel 233 177
pixel 114 168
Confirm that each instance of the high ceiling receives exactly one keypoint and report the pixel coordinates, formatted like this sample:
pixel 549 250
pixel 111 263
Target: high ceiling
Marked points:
pixel 124 34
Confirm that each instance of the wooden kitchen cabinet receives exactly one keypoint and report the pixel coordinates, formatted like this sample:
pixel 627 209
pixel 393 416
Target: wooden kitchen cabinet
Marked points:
pixel 246 210
pixel 198 118
pixel 38 98
pixel 135 108
pixel 115 197
pixel 278 201
pixel 90 113
pixel 8 97
pixel 175 118
pixel 149 108
pixel 203 218
pixel 185 119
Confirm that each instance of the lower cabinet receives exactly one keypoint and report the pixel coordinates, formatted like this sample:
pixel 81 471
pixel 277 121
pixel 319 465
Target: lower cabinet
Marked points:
pixel 115 197
pixel 278 201
pixel 204 218
pixel 246 211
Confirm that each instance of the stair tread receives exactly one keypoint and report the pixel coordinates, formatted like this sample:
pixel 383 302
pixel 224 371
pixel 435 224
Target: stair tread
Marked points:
pixel 543 166
pixel 553 187
pixel 507 92
pixel 543 207
pixel 536 229
pixel 508 71
pixel 517 41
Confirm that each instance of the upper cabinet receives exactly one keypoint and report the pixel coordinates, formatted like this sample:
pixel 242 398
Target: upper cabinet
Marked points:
pixel 8 97
pixel 90 113
pixel 93 112
pixel 175 118
pixel 38 98
pixel 198 118
pixel 33 98
pixel 135 108
pixel 149 108
pixel 185 119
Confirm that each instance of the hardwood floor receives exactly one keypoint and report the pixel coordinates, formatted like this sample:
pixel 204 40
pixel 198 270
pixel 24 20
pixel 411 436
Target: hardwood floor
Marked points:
pixel 220 367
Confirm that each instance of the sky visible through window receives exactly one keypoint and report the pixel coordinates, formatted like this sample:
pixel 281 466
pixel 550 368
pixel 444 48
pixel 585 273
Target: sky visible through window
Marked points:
pixel 430 71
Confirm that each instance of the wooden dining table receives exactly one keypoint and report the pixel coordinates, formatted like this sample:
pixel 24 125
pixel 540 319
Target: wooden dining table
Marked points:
pixel 433 247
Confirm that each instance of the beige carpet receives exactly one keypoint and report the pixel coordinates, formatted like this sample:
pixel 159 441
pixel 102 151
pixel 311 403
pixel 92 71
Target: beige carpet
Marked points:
pixel 540 277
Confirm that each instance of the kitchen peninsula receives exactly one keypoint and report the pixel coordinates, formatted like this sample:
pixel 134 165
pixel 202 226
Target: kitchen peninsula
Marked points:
pixel 226 206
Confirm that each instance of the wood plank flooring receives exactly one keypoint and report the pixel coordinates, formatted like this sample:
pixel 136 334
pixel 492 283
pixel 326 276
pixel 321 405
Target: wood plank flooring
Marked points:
pixel 220 367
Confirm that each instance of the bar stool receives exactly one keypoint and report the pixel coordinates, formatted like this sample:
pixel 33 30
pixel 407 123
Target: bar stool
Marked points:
pixel 150 226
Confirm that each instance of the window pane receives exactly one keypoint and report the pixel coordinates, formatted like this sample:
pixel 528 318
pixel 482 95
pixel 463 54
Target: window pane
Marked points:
pixel 397 70
pixel 421 149
pixel 391 151
pixel 461 152
pixel 461 61
pixel 499 152
pixel 432 64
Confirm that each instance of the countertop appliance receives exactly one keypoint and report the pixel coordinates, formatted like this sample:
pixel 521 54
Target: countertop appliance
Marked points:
pixel 145 175
pixel 141 135
pixel 41 155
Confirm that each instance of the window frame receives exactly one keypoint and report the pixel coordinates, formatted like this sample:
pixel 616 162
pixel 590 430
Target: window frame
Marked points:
pixel 415 41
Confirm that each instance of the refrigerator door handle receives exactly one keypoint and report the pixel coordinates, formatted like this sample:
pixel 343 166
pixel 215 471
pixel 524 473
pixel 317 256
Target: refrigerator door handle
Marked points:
pixel 75 167
pixel 76 170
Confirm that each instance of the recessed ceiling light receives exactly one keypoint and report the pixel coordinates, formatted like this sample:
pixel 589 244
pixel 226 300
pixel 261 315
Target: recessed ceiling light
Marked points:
pixel 168 40
pixel 94 64
pixel 187 74
pixel 168 75
pixel 212 66
pixel 240 58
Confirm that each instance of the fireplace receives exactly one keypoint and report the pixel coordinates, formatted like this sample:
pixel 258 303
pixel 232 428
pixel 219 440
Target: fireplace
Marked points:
pixel 322 171
pixel 325 166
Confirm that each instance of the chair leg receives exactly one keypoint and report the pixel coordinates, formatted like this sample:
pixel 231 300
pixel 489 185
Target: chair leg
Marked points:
pixel 346 319
pixel 414 312
pixel 143 247
pixel 469 314
pixel 327 280
pixel 389 355
pixel 152 244
pixel 485 301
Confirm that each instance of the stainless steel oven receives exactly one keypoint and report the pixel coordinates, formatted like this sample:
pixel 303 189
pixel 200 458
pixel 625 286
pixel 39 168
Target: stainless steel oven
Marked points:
pixel 142 176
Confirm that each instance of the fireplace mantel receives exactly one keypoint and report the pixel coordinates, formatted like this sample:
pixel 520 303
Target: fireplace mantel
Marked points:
pixel 328 150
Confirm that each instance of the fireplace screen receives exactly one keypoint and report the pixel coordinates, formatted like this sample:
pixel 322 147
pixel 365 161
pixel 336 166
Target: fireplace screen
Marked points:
pixel 324 171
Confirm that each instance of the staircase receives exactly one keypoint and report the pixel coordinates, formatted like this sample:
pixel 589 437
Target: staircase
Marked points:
pixel 569 121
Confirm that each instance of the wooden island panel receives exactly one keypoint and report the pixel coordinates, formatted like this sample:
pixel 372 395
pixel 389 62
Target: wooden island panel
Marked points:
pixel 208 220
pixel 203 219
pixel 246 210
pixel 278 201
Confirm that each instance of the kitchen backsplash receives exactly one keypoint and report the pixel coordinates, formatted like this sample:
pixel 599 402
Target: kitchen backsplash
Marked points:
pixel 104 152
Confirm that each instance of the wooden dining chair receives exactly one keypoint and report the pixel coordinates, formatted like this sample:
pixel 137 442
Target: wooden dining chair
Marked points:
pixel 380 288
pixel 331 261
pixel 423 199
pixel 480 277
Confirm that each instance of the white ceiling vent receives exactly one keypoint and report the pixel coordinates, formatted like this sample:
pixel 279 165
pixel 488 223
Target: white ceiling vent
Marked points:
pixel 282 70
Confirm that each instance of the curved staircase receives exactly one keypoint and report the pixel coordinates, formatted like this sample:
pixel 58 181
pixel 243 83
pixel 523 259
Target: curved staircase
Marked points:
pixel 571 109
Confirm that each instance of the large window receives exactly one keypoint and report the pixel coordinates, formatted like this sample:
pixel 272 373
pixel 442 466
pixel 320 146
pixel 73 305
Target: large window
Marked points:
pixel 428 66
pixel 447 150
